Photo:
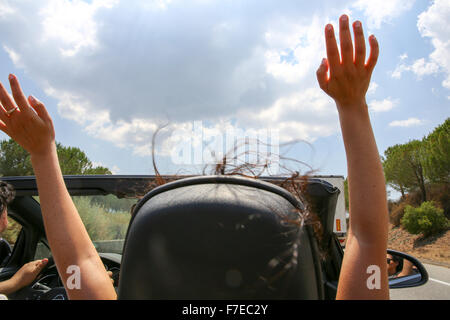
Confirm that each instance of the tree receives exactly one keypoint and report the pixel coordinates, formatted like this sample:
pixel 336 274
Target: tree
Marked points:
pixel 415 154
pixel 437 154
pixel 74 161
pixel 15 161
pixel 403 167
pixel 398 176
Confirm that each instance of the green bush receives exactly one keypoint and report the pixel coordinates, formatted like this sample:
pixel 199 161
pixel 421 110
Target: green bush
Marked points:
pixel 100 222
pixel 426 219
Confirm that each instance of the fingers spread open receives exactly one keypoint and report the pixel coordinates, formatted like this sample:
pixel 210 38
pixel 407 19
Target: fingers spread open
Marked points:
pixel 374 51
pixel 345 40
pixel 360 44
pixel 334 61
pixel 17 93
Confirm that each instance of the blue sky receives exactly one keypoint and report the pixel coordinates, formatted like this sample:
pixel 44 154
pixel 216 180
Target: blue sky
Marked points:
pixel 110 72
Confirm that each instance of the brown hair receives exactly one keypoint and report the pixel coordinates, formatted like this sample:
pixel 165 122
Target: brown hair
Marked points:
pixel 294 182
pixel 7 194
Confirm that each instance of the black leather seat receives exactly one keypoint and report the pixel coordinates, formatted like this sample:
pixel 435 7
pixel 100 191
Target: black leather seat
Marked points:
pixel 5 251
pixel 219 237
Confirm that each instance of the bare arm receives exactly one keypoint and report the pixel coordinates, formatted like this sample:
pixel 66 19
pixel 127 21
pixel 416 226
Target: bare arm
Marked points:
pixel 347 84
pixel 32 127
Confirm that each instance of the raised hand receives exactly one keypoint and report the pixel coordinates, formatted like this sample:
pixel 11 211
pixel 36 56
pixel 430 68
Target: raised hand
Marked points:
pixel 29 124
pixel 349 74
pixel 25 120
pixel 367 234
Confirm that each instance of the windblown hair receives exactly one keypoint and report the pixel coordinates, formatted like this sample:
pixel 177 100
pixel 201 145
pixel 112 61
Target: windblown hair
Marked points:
pixel 231 164
pixel 7 194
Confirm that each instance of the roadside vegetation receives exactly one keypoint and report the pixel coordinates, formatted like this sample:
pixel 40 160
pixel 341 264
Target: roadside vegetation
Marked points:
pixel 420 170
pixel 106 217
pixel 103 217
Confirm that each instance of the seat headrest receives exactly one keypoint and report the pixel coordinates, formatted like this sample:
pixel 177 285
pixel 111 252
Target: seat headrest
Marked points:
pixel 218 237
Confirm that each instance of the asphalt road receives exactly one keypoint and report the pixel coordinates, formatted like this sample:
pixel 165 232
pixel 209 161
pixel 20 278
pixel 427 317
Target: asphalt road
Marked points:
pixel 437 287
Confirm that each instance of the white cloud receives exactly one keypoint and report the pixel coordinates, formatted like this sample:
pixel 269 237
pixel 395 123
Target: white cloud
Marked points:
pixel 98 123
pixel 383 105
pixel 420 68
pixel 157 4
pixel 406 123
pixel 5 9
pixel 433 23
pixel 296 115
pixel 372 88
pixel 399 69
pixel 378 13
pixel 120 69
pixel 14 56
pixel 293 48
pixel 72 23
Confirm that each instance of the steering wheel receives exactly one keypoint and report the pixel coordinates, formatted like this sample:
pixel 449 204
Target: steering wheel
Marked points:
pixel 47 293
pixel 38 291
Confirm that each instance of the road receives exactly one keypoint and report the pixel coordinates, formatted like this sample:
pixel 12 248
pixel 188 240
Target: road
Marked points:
pixel 437 287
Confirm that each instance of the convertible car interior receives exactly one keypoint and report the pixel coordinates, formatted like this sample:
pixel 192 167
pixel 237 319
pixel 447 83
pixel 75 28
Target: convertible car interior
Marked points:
pixel 129 219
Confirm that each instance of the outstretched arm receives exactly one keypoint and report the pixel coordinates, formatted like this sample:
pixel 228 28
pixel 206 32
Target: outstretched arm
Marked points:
pixel 30 125
pixel 347 83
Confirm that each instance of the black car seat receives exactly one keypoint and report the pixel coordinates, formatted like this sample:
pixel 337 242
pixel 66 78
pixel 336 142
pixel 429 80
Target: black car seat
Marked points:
pixel 219 237
pixel 5 251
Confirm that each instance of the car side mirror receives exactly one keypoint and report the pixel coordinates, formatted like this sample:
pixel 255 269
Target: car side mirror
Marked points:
pixel 405 271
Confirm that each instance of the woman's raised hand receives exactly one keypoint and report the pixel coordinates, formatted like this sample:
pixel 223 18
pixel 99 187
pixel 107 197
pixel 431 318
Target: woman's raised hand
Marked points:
pixel 26 120
pixel 367 233
pixel 29 124
pixel 349 74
